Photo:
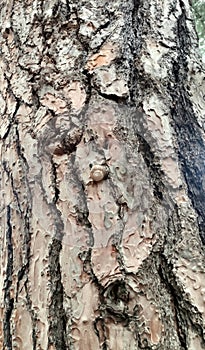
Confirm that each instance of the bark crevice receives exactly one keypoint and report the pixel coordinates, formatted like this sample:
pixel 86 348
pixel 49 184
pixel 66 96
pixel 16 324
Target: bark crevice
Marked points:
pixel 8 298
pixel 57 315
pixel 189 137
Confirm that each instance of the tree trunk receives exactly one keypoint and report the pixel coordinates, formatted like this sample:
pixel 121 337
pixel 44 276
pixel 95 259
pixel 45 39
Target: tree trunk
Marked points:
pixel 102 183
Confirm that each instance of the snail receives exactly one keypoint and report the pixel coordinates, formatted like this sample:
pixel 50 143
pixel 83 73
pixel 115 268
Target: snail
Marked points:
pixel 98 172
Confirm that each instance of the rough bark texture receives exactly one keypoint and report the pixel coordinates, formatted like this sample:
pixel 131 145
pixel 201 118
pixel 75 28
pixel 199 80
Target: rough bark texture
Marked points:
pixel 111 89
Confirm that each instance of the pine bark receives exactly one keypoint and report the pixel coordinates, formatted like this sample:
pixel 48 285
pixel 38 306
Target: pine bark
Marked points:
pixel 110 89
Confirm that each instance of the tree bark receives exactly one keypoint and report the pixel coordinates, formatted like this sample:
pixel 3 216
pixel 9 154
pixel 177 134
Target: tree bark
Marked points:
pixel 102 182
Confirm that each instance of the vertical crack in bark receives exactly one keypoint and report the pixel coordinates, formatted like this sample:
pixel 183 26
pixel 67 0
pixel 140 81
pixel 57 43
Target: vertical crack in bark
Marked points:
pixel 185 312
pixel 82 216
pixel 182 308
pixel 135 49
pixel 164 271
pixel 57 316
pixel 190 142
pixel 28 212
pixel 99 327
pixel 136 21
pixel 54 178
pixel 26 243
pixel 25 214
pixel 33 316
pixel 156 174
pixel 139 82
pixel 12 119
pixel 8 298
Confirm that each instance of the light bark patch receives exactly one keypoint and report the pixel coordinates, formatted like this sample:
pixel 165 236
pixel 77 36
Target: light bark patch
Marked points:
pixel 76 94
pixel 22 319
pixel 102 58
pixel 152 324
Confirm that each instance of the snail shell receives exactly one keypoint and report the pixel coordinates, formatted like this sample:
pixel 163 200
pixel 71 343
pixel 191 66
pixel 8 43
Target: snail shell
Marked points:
pixel 98 172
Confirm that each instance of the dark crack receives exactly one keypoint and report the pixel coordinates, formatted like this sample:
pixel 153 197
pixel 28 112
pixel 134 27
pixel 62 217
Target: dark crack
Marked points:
pixel 8 298
pixel 54 181
pixel 153 165
pixel 57 315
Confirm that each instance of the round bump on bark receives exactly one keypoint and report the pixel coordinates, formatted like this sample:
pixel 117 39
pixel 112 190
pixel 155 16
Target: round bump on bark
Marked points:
pixel 98 172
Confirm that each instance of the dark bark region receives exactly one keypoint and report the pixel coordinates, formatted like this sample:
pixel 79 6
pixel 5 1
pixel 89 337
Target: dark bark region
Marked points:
pixel 9 300
pixel 57 331
pixel 189 134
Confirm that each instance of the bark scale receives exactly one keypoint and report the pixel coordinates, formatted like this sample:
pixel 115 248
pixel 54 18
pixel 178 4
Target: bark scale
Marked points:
pixel 117 263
